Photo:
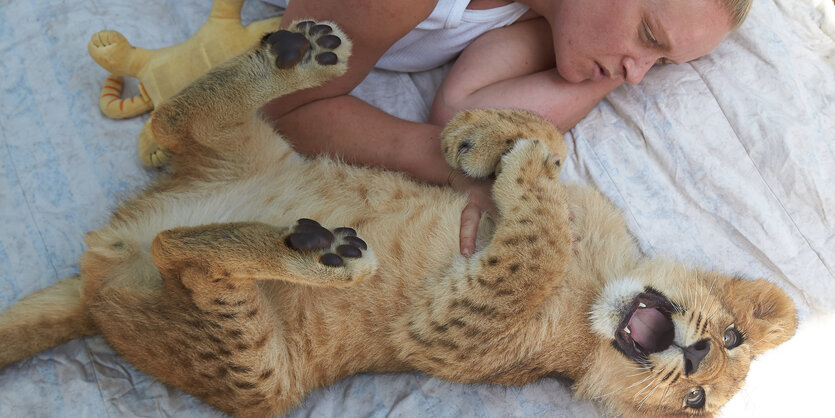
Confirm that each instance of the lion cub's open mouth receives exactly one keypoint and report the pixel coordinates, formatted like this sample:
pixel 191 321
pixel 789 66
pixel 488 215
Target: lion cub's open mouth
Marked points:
pixel 646 326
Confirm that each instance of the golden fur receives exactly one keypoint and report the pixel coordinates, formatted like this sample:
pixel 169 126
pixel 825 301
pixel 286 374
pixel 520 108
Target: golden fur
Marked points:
pixel 197 280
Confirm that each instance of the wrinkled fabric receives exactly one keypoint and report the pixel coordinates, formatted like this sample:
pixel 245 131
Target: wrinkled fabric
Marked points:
pixel 727 162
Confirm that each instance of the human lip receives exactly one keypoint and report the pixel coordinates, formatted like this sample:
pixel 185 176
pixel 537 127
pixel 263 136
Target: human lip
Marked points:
pixel 599 72
pixel 603 71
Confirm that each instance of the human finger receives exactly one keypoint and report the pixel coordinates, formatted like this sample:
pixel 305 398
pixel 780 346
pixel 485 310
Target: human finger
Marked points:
pixel 469 228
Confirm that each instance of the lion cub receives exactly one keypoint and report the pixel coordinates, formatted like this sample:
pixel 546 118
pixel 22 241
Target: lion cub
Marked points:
pixel 216 280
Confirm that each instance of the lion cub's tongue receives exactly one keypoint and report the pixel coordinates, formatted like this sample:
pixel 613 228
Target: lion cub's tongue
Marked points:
pixel 650 328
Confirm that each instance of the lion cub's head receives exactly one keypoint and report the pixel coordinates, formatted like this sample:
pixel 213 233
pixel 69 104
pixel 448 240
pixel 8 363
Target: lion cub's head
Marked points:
pixel 679 342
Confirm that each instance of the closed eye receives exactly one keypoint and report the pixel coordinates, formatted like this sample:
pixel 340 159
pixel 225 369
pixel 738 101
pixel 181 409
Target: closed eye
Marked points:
pixel 648 34
pixel 653 43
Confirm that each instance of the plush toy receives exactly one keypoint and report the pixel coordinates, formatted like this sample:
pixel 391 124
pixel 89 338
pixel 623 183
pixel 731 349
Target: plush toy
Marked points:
pixel 164 72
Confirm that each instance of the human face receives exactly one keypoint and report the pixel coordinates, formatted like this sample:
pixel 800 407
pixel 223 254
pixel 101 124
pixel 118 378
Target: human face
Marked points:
pixel 596 39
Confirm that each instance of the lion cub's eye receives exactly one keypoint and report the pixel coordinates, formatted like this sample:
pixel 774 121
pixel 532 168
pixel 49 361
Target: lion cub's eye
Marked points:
pixel 732 337
pixel 695 398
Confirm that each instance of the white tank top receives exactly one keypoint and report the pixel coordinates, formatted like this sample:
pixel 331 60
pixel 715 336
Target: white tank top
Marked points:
pixel 448 29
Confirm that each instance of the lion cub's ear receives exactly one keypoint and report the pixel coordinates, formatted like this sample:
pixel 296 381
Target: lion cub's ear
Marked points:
pixel 763 311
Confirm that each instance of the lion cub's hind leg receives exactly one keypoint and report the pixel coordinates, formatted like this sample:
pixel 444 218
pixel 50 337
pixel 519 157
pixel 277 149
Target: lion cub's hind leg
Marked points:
pixel 306 253
pixel 227 349
pixel 210 330
pixel 475 140
pixel 217 110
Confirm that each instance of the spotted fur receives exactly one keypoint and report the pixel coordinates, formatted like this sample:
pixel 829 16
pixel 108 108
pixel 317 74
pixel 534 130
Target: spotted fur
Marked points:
pixel 198 281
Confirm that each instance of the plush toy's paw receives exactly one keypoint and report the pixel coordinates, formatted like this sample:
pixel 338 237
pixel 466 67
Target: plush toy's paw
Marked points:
pixel 308 45
pixel 336 256
pixel 108 38
pixel 108 45
pixel 475 140
pixel 151 153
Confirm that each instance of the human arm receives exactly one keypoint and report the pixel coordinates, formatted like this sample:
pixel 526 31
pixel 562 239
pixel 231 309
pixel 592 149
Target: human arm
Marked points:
pixel 513 67
pixel 362 134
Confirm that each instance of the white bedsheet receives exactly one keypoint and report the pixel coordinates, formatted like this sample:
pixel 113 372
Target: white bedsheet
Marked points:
pixel 727 163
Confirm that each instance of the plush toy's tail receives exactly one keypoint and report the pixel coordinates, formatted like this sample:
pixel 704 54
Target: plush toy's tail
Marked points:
pixel 43 320
pixel 114 106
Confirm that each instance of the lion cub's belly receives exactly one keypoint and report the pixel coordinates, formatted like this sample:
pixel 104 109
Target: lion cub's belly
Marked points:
pixel 410 226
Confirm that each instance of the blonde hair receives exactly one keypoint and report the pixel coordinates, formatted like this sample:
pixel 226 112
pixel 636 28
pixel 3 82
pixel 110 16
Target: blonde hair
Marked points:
pixel 738 10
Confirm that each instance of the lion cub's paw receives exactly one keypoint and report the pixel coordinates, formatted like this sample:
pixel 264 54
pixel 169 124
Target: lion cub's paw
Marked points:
pixel 308 45
pixel 335 245
pixel 340 256
pixel 475 140
pixel 151 153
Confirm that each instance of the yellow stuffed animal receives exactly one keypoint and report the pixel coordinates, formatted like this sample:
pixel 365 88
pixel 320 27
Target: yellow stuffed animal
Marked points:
pixel 162 73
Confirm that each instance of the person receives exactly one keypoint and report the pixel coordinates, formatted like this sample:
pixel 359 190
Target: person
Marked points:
pixel 557 58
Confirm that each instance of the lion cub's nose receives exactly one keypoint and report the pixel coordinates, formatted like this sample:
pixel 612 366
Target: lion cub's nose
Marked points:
pixel 694 354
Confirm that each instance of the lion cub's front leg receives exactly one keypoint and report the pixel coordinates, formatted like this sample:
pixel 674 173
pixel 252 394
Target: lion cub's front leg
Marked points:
pixel 218 109
pixel 497 291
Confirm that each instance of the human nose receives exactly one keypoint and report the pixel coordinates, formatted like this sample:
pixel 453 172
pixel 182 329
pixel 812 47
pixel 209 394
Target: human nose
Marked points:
pixel 635 68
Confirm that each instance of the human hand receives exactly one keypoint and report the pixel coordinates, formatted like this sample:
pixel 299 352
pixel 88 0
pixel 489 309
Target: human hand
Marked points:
pixel 480 201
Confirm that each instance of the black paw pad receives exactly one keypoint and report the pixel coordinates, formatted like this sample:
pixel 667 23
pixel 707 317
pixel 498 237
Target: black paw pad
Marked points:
pixel 308 221
pixel 331 260
pixel 335 247
pixel 347 250
pixel 309 235
pixel 329 41
pixel 289 47
pixel 320 30
pixel 351 246
pixel 351 232
pixel 327 58
pixel 304 26
pixel 304 242
pixel 356 242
